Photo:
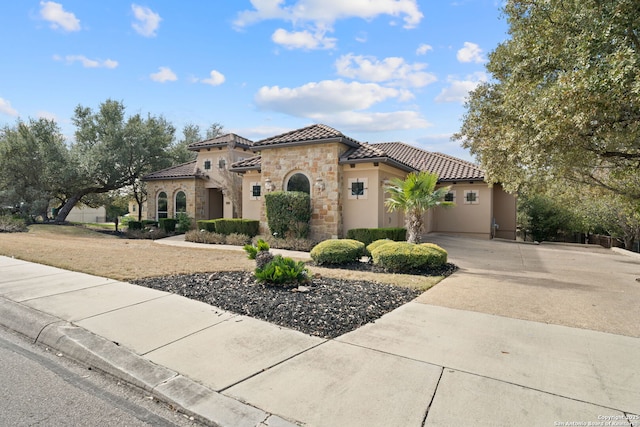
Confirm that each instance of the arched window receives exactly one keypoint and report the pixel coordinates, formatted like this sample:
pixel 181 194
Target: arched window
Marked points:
pixel 299 182
pixel 162 205
pixel 181 202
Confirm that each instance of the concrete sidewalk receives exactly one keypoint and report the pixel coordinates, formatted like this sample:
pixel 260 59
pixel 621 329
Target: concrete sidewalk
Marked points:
pixel 418 365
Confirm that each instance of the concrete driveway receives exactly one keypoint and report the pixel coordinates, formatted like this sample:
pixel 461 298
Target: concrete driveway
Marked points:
pixel 583 286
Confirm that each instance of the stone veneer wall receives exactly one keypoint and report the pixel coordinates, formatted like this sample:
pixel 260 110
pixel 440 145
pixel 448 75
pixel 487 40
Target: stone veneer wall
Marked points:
pixel 193 188
pixel 315 161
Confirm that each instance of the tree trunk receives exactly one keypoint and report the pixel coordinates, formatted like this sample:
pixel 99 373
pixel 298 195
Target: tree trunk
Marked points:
pixel 414 227
pixel 66 208
pixel 139 211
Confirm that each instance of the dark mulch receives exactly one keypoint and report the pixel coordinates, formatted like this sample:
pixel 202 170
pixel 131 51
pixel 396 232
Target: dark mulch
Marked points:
pixel 326 308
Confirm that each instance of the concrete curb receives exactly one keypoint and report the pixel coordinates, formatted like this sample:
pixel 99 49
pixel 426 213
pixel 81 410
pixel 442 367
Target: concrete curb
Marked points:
pixel 164 384
pixel 625 252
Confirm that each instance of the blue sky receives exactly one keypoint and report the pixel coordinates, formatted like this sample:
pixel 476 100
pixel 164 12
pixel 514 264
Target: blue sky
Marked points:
pixel 377 70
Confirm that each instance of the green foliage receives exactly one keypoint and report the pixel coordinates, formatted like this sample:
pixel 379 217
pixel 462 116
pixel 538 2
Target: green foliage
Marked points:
pixel 282 272
pixel 184 222
pixel 337 251
pixel 544 218
pixel 368 235
pixel 288 213
pixel 404 256
pixel 168 225
pixel 134 225
pixel 236 225
pixel 252 250
pixel 562 99
pixel 147 223
pixel 207 225
pixel 414 196
pixel 373 245
pixel 35 166
pixel 12 224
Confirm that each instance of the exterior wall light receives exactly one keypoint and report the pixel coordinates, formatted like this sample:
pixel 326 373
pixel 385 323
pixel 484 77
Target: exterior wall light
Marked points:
pixel 268 185
pixel 319 184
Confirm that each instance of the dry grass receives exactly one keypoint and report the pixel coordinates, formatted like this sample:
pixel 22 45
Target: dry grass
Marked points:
pixel 79 249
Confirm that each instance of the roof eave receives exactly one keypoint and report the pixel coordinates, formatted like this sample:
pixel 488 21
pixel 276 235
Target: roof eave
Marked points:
pixel 386 160
pixel 342 140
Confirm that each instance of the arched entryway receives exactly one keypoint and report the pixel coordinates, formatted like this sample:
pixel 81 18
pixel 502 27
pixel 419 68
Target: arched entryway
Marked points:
pixel 299 182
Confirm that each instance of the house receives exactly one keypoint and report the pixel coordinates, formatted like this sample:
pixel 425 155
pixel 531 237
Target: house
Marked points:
pixel 344 177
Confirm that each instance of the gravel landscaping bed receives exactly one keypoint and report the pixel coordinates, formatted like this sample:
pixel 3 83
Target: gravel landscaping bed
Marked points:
pixel 326 307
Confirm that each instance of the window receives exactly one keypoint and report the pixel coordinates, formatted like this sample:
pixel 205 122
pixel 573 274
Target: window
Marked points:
pixel 256 191
pixel 450 196
pixel 207 165
pixel 181 202
pixel 299 182
pixel 357 188
pixel 162 205
pixel 222 164
pixel 470 197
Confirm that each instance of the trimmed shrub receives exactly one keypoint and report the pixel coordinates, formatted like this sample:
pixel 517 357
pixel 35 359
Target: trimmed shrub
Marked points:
pixel 207 225
pixel 282 272
pixel 237 239
pixel 368 235
pixel 184 222
pixel 146 223
pixel 199 236
pixel 337 251
pixel 288 213
pixel 134 225
pixel 371 246
pixel 237 225
pixel 290 243
pixel 12 224
pixel 168 225
pixel 404 256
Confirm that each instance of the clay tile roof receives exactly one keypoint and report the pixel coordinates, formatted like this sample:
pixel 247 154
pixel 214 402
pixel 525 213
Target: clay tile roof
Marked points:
pixel 310 134
pixel 183 171
pixel 447 167
pixel 372 153
pixel 221 141
pixel 252 163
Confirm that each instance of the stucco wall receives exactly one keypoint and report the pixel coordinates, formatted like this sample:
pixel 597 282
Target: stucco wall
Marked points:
pixel 369 211
pixel 87 214
pixel 504 212
pixel 472 220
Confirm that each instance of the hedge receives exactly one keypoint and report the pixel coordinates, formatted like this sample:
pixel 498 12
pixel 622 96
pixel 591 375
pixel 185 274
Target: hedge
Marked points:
pixel 405 256
pixel 288 213
pixel 168 225
pixel 226 226
pixel 373 245
pixel 368 235
pixel 337 251
pixel 134 225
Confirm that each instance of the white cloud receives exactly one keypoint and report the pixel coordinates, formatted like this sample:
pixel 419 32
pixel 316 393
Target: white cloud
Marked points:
pixel 164 74
pixel 458 90
pixel 6 108
pixel 471 52
pixel 356 121
pixel 392 69
pixel 325 97
pixel 329 11
pixel 147 21
pixel 216 78
pixel 58 17
pixel 303 39
pixel 86 62
pixel 423 49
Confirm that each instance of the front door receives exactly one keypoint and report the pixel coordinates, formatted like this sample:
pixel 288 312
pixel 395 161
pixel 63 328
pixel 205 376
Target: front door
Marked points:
pixel 216 203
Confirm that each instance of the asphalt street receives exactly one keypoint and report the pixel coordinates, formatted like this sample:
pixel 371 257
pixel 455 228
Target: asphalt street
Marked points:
pixel 40 387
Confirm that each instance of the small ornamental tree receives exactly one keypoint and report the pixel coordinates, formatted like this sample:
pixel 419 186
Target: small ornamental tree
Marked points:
pixel 288 213
pixel 415 195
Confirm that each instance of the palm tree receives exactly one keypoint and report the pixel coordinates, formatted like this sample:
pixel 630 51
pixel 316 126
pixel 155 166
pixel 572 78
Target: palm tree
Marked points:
pixel 415 195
